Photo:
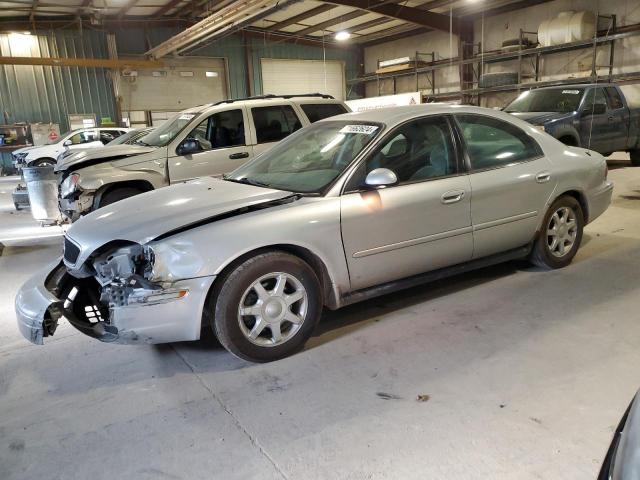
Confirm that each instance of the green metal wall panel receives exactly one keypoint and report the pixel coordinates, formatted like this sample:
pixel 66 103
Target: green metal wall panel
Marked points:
pixel 46 93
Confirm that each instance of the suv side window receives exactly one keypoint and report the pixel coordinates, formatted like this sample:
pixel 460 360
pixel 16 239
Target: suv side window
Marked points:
pixel 417 151
pixel 220 130
pixel 274 123
pixel 600 98
pixel 493 143
pixel 614 98
pixel 318 111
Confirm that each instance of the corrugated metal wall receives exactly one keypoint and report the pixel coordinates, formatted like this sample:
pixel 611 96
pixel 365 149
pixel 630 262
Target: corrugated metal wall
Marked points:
pixel 48 94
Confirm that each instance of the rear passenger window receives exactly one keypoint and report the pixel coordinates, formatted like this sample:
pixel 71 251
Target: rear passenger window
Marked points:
pixel 318 111
pixel 492 143
pixel 274 123
pixel 614 98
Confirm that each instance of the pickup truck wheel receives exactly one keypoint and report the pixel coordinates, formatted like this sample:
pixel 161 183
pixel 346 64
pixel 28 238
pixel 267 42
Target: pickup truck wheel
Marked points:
pixel 117 194
pixel 560 236
pixel 634 155
pixel 267 307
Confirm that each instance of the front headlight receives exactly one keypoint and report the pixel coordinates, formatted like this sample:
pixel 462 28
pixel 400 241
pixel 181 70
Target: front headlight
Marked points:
pixel 69 185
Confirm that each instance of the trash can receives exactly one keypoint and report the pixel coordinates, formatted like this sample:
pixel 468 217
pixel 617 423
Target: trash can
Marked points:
pixel 43 194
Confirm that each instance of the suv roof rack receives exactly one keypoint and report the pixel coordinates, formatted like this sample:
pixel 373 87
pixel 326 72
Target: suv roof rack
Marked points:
pixel 271 95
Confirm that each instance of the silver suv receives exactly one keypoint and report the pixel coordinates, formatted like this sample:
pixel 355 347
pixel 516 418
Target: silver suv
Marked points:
pixel 207 140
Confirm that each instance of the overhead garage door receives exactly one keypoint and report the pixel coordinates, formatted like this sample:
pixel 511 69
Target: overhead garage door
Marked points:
pixel 286 77
pixel 182 83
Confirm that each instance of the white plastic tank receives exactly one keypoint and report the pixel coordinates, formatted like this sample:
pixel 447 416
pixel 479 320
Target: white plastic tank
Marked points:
pixel 567 27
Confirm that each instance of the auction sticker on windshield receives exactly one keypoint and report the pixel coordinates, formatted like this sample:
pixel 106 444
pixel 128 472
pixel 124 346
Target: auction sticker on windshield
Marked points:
pixel 572 92
pixel 364 129
pixel 187 116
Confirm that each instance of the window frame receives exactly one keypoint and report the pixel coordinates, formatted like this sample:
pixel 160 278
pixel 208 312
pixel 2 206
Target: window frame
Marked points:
pixel 610 99
pixel 461 168
pixel 465 148
pixel 207 118
pixel 281 107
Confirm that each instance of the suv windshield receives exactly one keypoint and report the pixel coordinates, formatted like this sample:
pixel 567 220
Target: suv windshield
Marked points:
pixel 166 132
pixel 560 100
pixel 310 159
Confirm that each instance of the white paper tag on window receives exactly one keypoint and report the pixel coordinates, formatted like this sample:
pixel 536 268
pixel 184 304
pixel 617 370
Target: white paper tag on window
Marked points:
pixel 365 129
pixel 186 116
pixel 572 92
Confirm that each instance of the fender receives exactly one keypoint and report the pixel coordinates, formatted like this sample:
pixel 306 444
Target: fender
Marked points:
pixel 566 131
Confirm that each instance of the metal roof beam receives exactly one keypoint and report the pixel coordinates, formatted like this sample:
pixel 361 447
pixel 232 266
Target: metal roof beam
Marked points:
pixel 302 16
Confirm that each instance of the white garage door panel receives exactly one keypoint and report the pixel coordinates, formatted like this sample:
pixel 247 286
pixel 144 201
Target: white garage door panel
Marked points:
pixel 183 83
pixel 286 77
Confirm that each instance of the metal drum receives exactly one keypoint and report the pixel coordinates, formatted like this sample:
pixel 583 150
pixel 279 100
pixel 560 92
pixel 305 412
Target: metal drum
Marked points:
pixel 43 194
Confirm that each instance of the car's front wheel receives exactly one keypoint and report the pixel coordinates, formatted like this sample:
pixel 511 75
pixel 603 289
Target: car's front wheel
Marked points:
pixel 267 307
pixel 561 234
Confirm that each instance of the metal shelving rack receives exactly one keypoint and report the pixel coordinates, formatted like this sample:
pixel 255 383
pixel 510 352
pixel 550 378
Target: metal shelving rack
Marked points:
pixel 608 37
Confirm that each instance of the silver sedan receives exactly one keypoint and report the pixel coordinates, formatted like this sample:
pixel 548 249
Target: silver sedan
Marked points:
pixel 351 207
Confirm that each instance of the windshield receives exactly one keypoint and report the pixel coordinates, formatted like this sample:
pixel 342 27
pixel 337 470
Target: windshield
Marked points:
pixel 128 137
pixel 62 137
pixel 166 132
pixel 560 100
pixel 310 159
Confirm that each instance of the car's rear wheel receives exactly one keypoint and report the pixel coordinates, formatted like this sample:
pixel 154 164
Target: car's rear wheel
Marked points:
pixel 634 156
pixel 267 307
pixel 561 234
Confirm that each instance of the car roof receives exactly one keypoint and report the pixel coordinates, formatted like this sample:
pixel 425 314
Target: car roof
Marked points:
pixel 576 85
pixel 395 115
pixel 260 102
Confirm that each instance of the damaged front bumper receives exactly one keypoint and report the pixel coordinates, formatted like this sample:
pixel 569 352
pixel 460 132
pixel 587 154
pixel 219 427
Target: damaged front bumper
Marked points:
pixel 170 314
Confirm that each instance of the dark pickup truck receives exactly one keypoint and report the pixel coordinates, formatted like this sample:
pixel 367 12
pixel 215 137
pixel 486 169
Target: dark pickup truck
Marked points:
pixel 585 115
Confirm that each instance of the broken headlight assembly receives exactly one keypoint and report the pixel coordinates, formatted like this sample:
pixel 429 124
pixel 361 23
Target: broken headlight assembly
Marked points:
pixel 126 277
pixel 69 185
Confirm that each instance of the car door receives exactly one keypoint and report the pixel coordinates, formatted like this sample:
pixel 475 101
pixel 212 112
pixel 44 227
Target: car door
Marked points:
pixel 595 129
pixel 618 119
pixel 271 124
pixel 511 182
pixel 223 146
pixel 423 222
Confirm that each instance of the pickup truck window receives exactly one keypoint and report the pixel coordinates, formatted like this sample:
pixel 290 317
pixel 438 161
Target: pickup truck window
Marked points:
pixel 560 100
pixel 220 130
pixel 600 98
pixel 492 143
pixel 274 123
pixel 318 111
pixel 614 98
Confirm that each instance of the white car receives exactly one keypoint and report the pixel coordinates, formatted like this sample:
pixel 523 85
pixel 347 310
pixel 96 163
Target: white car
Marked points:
pixel 48 154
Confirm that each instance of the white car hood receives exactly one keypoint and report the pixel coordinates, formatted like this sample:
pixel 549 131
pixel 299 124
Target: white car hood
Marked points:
pixel 149 215
pixel 24 149
pixel 98 155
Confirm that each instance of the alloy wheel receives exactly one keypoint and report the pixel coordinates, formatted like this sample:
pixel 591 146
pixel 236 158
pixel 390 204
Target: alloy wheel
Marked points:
pixel 273 309
pixel 562 231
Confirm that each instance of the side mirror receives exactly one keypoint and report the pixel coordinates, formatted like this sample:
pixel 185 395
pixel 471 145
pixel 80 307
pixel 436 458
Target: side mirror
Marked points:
pixel 66 143
pixel 381 177
pixel 188 146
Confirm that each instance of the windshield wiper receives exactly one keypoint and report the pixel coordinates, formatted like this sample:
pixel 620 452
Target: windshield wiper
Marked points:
pixel 247 181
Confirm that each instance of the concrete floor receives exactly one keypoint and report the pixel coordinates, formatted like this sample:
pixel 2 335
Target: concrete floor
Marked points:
pixel 528 372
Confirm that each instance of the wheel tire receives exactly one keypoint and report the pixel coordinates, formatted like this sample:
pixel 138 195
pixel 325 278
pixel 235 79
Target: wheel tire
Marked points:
pixel 634 155
pixel 232 289
pixel 44 162
pixel 542 255
pixel 117 194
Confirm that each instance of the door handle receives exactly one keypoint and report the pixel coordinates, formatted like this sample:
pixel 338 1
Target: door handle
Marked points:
pixel 235 156
pixel 611 118
pixel 452 196
pixel 543 177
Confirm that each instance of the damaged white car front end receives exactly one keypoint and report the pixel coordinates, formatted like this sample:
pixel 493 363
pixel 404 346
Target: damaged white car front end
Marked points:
pixel 118 298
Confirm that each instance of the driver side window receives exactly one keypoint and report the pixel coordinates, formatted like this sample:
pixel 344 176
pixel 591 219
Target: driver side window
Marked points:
pixel 220 130
pixel 417 151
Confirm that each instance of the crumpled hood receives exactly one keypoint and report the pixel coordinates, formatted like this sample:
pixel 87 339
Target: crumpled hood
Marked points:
pixel 146 216
pixel 99 155
pixel 540 118
pixel 24 149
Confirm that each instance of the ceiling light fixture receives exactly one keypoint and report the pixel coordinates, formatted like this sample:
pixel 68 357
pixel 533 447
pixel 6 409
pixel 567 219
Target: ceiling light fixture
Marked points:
pixel 342 35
